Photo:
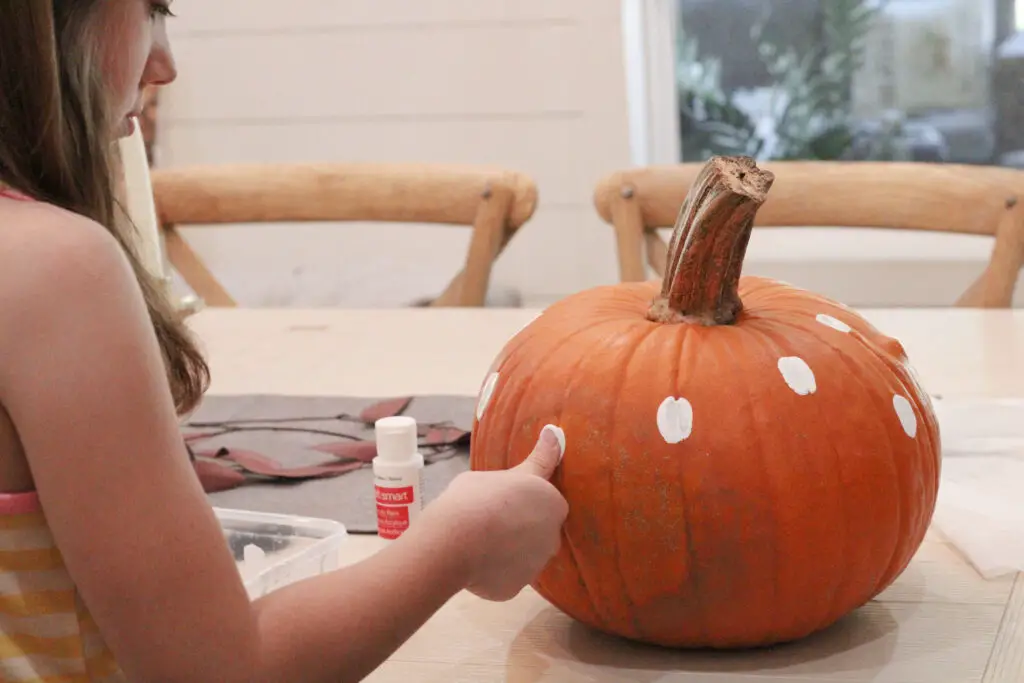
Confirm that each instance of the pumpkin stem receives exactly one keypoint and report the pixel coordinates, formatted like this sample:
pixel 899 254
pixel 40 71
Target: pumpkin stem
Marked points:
pixel 709 241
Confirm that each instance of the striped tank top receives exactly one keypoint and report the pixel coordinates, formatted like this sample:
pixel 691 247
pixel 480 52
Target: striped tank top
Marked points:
pixel 46 633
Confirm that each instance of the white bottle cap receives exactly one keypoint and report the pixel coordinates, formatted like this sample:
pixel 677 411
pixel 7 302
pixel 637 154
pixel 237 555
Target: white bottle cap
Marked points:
pixel 396 438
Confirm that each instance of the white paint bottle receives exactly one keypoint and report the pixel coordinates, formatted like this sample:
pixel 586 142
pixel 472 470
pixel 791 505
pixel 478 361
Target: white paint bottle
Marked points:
pixel 397 475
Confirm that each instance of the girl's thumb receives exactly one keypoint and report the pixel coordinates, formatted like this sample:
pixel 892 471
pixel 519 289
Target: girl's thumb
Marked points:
pixel 547 453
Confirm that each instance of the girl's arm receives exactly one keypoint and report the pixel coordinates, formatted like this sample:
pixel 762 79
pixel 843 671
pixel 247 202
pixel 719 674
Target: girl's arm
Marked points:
pixel 82 378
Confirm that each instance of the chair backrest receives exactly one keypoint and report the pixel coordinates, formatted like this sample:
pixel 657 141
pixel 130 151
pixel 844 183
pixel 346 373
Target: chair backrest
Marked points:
pixel 981 200
pixel 495 202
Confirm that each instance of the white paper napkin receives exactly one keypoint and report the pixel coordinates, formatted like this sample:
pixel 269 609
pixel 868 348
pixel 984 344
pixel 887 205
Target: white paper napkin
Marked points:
pixel 980 507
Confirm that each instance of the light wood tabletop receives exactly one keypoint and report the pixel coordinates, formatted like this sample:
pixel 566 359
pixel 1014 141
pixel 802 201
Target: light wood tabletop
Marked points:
pixel 939 623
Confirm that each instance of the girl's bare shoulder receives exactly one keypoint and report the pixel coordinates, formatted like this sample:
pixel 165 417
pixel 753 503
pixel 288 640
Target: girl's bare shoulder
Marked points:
pixel 45 231
pixel 51 258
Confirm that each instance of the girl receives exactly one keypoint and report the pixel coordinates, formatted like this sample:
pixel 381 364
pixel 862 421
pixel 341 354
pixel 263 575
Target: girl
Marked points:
pixel 113 566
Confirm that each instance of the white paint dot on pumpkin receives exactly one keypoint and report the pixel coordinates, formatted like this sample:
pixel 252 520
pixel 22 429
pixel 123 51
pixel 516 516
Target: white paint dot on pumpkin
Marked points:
pixel 485 394
pixel 798 375
pixel 675 419
pixel 905 412
pixel 834 323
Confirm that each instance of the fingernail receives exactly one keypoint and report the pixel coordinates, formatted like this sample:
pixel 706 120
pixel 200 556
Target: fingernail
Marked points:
pixel 550 431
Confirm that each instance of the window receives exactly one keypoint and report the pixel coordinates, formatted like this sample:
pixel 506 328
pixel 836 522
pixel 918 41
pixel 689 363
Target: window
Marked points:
pixel 923 80
pixel 917 80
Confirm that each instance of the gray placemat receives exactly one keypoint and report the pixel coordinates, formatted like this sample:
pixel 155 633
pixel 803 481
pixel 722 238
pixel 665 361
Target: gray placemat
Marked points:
pixel 347 498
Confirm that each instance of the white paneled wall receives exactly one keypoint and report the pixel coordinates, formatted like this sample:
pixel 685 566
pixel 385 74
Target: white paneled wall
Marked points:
pixel 535 85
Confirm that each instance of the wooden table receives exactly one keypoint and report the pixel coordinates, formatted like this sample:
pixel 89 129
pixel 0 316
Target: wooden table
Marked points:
pixel 939 623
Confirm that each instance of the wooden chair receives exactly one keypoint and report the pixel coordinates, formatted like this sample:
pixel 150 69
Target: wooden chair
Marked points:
pixel 905 195
pixel 494 202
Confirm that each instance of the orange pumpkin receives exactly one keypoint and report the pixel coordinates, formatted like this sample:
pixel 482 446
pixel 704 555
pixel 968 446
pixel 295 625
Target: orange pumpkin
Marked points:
pixel 746 462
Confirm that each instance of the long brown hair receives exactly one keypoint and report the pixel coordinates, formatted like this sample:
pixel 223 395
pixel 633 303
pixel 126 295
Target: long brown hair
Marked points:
pixel 55 147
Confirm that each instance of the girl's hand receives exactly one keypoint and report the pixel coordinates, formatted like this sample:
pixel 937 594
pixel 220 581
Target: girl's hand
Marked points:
pixel 507 524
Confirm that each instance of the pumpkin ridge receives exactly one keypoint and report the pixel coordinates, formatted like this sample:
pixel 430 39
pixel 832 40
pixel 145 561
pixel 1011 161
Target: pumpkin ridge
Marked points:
pixel 903 521
pixel 503 365
pixel 770 487
pixel 597 600
pixel 509 351
pixel 908 384
pixel 512 362
pixel 513 359
pixel 842 578
pixel 772 339
pixel 897 563
pixel 686 500
pixel 601 621
pixel 856 371
pixel 508 364
pixel 930 432
pixel 646 331
pixel 631 357
pixel 640 614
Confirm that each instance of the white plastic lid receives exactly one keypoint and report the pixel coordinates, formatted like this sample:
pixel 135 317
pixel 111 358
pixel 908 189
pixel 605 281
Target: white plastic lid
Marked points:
pixel 396 438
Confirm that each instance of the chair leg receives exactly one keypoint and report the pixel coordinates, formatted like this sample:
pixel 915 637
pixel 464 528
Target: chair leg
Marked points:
pixel 450 295
pixel 196 275
pixel 995 286
pixel 469 287
pixel 657 252
pixel 629 236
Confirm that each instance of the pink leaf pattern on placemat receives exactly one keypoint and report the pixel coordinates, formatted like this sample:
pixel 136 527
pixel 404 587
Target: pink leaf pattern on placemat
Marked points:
pixel 388 408
pixel 363 451
pixel 257 463
pixel 217 477
pixel 223 466
pixel 445 436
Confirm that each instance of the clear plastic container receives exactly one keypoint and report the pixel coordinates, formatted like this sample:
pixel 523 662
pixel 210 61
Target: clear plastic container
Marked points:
pixel 282 549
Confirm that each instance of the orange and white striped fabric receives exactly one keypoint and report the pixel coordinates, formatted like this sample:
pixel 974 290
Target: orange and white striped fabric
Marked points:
pixel 46 633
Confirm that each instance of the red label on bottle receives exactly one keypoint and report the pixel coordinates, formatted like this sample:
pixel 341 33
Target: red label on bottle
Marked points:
pixel 394 496
pixel 393 510
pixel 392 521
